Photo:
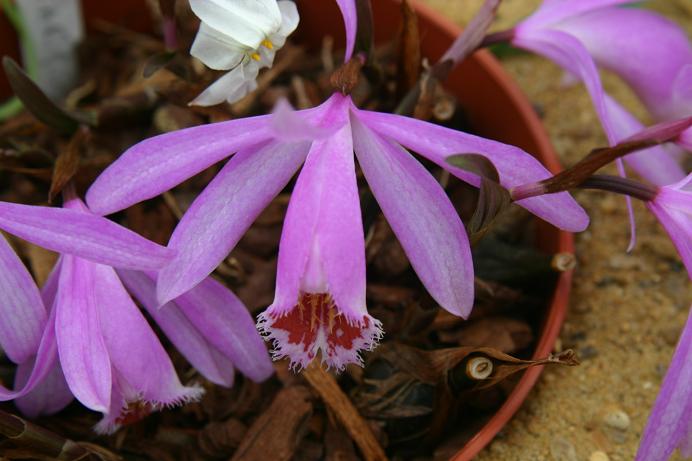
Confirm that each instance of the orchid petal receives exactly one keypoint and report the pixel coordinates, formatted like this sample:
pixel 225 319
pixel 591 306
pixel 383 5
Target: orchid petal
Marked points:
pixel 50 288
pixel 669 424
pixel 515 166
pixel 46 358
pixel 226 323
pixel 135 351
pixel 83 354
pixel 421 216
pixel 22 314
pixel 553 11
pixel 82 234
pixel 570 53
pixel 186 338
pixel 50 396
pixel 220 215
pixel 157 164
pixel 290 125
pixel 654 164
pixel 678 225
pixel 217 50
pixel 350 15
pixel 232 87
pixel 289 22
pixel 630 209
pixel 685 139
pixel 323 229
pixel 647 50
pixel 249 21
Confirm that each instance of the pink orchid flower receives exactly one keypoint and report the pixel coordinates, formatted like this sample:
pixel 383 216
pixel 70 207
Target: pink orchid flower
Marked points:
pixel 649 52
pixel 670 424
pixel 84 344
pixel 320 294
pixel 672 206
pixel 319 303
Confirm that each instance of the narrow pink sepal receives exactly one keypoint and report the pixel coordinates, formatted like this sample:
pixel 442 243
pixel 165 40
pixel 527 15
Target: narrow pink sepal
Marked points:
pixel 46 358
pixel 350 15
pixel 157 164
pixel 421 216
pixel 553 11
pixel 515 166
pixel 50 396
pixel 655 164
pixel 83 354
pixel 134 350
pixel 226 323
pixel 650 52
pixel 221 214
pixel 82 234
pixel 178 328
pixel 670 423
pixel 672 206
pixel 22 314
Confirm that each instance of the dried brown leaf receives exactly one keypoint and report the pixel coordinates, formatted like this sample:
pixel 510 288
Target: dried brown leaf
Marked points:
pixel 67 163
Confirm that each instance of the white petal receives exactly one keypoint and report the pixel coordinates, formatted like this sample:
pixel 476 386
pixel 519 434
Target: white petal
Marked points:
pixel 231 87
pixel 216 50
pixel 247 21
pixel 289 22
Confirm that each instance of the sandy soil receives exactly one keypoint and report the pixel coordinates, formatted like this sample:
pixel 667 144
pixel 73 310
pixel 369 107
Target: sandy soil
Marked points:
pixel 626 311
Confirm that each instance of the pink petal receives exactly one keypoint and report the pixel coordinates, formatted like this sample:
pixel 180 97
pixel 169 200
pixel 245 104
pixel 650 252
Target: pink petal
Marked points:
pixel 669 424
pixel 82 234
pixel 421 216
pixel 678 225
pixel 656 164
pixel 322 244
pixel 553 11
pixel 46 359
pixel 350 15
pixel 569 53
pixel 50 396
pixel 290 125
pixel 176 326
pixel 22 314
pixel 515 166
pixel 83 354
pixel 157 164
pixel 647 50
pixel 220 215
pixel 630 209
pixel 226 323
pixel 135 351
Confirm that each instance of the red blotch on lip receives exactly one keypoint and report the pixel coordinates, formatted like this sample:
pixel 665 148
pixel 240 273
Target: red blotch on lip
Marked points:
pixel 135 411
pixel 315 312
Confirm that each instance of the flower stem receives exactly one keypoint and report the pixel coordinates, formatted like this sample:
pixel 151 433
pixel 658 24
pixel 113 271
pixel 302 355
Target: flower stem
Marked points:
pixel 624 186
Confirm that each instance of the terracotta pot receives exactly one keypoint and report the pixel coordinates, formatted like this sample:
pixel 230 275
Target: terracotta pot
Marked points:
pixel 496 109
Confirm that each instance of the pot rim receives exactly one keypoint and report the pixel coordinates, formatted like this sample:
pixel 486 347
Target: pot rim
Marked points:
pixel 557 307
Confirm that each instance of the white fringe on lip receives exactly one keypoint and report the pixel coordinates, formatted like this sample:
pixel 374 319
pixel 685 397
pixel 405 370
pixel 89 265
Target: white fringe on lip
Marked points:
pixel 108 424
pixel 301 358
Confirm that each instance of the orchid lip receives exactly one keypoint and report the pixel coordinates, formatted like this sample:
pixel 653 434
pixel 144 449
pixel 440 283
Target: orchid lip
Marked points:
pixel 316 326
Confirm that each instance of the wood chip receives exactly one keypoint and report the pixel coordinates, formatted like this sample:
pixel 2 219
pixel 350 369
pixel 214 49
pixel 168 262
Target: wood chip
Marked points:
pixel 279 429
pixel 329 391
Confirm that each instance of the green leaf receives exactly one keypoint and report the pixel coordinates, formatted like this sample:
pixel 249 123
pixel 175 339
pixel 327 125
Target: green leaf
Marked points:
pixel 36 101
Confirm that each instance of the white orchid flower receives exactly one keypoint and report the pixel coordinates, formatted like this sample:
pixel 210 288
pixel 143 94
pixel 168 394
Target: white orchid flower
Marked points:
pixel 241 36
